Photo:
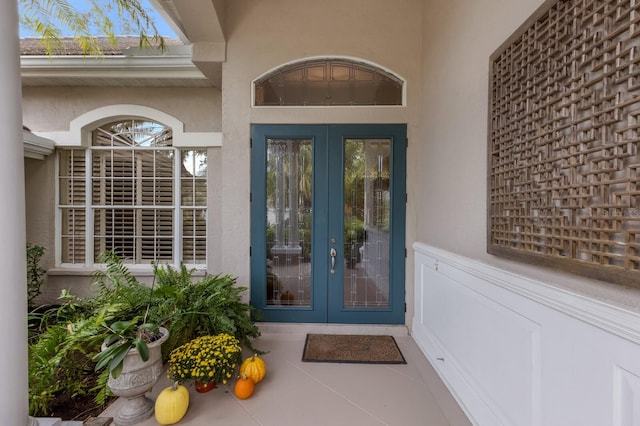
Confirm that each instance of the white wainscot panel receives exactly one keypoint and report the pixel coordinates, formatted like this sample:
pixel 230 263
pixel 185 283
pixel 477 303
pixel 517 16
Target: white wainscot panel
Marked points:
pixel 627 391
pixel 495 349
pixel 515 351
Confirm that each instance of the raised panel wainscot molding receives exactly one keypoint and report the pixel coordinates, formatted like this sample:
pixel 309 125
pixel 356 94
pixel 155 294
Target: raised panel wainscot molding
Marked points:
pixel 516 351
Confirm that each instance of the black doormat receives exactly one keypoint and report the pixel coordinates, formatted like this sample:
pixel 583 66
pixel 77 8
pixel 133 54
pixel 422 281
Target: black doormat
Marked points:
pixel 352 348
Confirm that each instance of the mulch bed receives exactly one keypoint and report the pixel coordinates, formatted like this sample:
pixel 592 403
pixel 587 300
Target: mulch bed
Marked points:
pixel 78 407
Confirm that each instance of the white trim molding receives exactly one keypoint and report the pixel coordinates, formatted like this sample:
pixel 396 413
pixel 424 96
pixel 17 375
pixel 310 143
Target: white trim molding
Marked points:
pixel 80 128
pixel 175 63
pixel 36 147
pixel 514 350
pixel 614 319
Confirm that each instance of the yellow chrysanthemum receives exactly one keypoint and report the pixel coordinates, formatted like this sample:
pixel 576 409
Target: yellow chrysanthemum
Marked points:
pixel 206 358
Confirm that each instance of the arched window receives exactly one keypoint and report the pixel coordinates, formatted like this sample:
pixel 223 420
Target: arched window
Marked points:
pixel 333 81
pixel 134 193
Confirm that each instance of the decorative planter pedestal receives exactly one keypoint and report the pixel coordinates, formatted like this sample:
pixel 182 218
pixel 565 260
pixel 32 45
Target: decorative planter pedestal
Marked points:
pixel 136 379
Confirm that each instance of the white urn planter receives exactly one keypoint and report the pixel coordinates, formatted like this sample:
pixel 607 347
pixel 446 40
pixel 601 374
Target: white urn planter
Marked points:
pixel 136 379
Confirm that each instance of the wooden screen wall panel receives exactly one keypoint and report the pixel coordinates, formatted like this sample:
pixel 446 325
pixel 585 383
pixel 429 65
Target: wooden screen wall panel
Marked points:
pixel 563 138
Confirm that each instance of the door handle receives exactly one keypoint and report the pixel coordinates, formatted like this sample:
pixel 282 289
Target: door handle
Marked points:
pixel 333 253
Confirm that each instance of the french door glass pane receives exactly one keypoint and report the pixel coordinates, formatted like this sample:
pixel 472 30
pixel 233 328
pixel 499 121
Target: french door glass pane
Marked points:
pixel 289 206
pixel 367 210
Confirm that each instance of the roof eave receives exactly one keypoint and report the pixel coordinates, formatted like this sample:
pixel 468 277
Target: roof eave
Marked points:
pixel 121 66
pixel 36 147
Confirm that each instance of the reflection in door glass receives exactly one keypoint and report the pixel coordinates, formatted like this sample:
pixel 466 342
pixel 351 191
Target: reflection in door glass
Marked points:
pixel 289 185
pixel 367 207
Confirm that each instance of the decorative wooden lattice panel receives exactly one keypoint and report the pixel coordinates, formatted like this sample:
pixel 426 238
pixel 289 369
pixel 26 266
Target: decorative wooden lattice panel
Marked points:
pixel 564 133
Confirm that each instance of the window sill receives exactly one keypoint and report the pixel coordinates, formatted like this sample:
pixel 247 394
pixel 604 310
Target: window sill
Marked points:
pixel 136 270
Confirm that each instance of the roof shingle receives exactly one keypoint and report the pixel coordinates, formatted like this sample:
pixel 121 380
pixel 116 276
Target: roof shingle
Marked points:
pixel 32 46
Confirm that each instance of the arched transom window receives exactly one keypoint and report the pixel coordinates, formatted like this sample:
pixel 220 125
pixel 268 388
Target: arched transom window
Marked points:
pixel 324 81
pixel 133 193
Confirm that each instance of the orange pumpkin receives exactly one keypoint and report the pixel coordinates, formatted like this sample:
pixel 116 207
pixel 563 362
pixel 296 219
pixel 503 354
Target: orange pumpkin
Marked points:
pixel 244 387
pixel 253 367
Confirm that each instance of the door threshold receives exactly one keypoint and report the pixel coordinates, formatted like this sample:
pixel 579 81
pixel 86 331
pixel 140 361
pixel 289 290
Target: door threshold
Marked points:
pixel 306 328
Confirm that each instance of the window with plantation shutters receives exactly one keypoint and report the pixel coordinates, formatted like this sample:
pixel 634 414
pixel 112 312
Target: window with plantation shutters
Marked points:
pixel 135 194
pixel 72 178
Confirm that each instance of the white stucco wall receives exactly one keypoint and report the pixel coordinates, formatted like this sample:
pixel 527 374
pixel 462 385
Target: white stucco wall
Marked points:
pixel 49 109
pixel 40 190
pixel 458 38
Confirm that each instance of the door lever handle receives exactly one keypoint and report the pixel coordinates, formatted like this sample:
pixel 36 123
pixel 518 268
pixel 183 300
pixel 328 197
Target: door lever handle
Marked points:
pixel 333 253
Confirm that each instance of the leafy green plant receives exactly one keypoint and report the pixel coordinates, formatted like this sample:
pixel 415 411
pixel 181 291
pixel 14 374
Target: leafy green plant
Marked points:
pixel 59 362
pixel 66 348
pixel 35 272
pixel 58 345
pixel 69 336
pixel 131 300
pixel 43 363
pixel 209 306
pixel 117 290
pixel 124 336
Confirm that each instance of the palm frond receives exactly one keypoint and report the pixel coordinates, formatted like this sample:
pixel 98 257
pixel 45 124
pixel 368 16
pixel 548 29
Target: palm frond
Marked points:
pixel 47 17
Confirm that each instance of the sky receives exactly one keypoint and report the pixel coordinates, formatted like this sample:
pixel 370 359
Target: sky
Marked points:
pixel 161 25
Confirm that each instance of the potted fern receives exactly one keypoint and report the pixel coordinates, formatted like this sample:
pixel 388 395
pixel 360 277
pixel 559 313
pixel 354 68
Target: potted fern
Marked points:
pixel 192 306
pixel 131 350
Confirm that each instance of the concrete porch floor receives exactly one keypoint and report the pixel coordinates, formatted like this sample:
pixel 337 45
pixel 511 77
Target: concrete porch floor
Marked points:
pixel 302 393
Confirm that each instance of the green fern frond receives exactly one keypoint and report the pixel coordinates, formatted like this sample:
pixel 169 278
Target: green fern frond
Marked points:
pixel 103 392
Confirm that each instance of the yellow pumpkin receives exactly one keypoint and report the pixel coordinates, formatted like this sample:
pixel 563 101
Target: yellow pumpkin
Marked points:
pixel 244 387
pixel 253 367
pixel 172 404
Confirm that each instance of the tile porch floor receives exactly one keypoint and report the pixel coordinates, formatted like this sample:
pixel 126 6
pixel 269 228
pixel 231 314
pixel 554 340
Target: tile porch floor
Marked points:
pixel 308 394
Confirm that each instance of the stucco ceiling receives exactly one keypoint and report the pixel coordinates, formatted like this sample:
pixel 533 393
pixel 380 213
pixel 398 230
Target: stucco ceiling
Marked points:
pixel 199 23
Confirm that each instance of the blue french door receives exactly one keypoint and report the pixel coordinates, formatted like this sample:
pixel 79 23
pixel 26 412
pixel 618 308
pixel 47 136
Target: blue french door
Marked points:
pixel 328 223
